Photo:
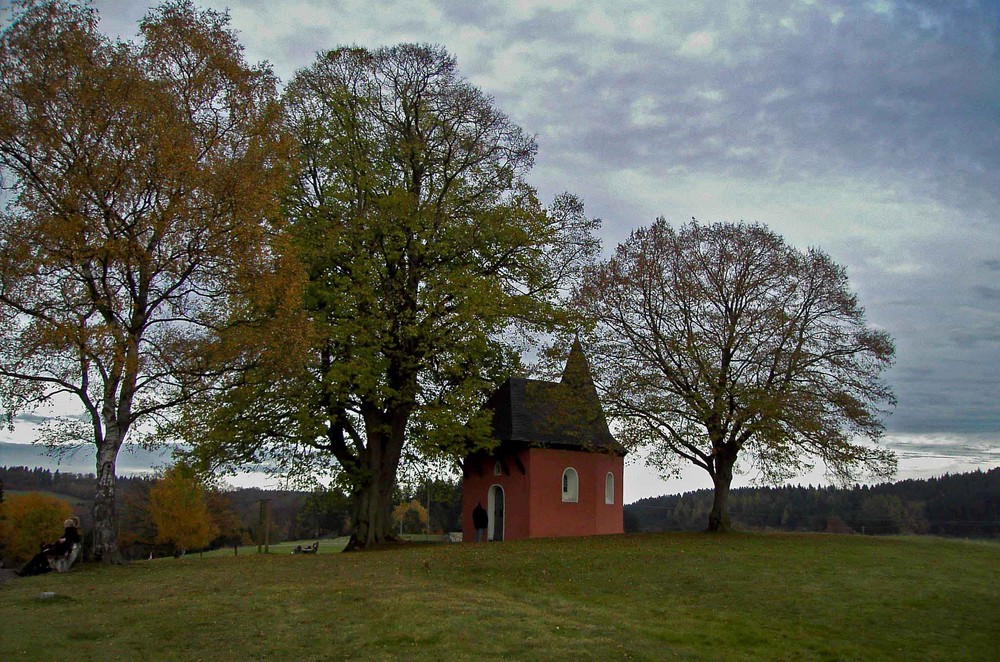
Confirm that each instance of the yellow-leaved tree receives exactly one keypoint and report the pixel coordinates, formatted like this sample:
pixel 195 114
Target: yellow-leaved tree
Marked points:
pixel 29 520
pixel 410 517
pixel 141 183
pixel 179 508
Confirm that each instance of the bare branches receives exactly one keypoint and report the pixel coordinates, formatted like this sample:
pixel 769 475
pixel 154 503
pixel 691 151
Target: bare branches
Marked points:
pixel 742 343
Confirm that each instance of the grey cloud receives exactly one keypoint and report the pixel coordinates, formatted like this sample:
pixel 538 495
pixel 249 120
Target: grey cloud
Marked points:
pixel 989 293
pixel 976 338
pixel 792 97
pixel 874 95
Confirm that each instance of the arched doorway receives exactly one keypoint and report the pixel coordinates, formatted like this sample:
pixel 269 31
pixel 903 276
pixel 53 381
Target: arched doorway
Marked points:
pixel 495 508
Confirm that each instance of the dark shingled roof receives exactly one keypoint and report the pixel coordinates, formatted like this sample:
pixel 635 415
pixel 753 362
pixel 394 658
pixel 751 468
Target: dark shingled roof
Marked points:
pixel 566 414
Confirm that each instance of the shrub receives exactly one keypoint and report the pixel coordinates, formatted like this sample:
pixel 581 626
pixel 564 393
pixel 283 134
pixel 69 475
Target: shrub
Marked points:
pixel 29 520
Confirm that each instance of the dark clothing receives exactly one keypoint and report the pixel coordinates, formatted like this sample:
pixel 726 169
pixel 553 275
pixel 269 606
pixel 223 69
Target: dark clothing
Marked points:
pixel 63 546
pixel 39 564
pixel 480 519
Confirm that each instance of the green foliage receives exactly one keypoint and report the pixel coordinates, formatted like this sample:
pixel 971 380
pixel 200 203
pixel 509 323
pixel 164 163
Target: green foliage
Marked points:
pixel 429 264
pixel 325 512
pixel 445 510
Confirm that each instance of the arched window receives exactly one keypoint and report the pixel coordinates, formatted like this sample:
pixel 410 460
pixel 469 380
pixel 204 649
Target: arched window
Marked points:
pixel 570 486
pixel 496 469
pixel 609 488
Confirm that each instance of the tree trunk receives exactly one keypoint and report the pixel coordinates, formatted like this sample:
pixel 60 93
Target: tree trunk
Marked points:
pixel 105 511
pixel 370 527
pixel 373 501
pixel 718 519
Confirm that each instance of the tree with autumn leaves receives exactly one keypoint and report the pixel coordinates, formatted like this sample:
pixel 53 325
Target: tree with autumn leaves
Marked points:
pixel 411 517
pixel 142 183
pixel 176 510
pixel 317 284
pixel 429 262
pixel 179 510
pixel 144 179
pixel 27 521
pixel 719 343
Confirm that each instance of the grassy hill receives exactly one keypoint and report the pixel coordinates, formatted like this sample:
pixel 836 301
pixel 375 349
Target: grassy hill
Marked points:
pixel 68 498
pixel 646 596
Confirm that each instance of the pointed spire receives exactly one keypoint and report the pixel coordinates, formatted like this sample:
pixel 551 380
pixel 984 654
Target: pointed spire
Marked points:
pixel 577 370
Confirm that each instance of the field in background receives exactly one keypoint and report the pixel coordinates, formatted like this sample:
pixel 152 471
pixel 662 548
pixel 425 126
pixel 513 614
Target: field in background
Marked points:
pixel 326 546
pixel 646 596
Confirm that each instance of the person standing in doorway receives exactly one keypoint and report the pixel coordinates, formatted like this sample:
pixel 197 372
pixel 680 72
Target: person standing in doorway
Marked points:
pixel 480 520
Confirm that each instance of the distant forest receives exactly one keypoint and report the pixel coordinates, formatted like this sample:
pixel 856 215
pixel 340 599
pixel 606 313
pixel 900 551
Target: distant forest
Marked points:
pixel 962 505
pixel 295 515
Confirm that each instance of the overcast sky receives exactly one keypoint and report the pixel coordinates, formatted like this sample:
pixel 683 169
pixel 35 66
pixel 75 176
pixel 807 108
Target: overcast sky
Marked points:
pixel 868 129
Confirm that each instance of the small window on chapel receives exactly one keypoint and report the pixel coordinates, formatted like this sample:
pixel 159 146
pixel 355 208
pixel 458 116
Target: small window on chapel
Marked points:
pixel 609 488
pixel 570 486
pixel 496 469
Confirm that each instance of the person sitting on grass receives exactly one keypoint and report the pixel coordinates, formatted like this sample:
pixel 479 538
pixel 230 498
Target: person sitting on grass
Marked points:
pixel 40 562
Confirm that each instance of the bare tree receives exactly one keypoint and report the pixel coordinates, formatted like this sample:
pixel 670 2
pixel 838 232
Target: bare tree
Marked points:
pixel 139 179
pixel 715 342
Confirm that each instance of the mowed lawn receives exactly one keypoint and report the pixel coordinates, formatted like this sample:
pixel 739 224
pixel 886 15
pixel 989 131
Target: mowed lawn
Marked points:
pixel 647 596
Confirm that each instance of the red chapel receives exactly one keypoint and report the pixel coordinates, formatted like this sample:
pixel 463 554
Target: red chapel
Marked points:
pixel 556 470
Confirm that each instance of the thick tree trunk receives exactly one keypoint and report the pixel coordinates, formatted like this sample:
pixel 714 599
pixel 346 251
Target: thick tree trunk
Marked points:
pixel 105 511
pixel 373 501
pixel 718 519
pixel 372 516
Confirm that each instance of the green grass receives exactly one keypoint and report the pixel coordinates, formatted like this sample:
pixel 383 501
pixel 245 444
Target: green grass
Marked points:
pixel 68 498
pixel 663 596
pixel 326 545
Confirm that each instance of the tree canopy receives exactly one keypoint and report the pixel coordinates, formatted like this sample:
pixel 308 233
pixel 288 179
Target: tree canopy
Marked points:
pixel 428 259
pixel 141 181
pixel 715 342
pixel 178 506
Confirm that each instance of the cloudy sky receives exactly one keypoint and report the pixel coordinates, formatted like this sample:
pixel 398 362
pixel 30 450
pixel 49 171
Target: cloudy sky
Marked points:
pixel 868 129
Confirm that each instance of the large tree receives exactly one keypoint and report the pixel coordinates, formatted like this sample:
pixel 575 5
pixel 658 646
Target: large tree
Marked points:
pixel 427 254
pixel 138 179
pixel 716 342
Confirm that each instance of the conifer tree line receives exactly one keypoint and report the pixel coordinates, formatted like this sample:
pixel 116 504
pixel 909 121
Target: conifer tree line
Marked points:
pixel 964 505
pixel 330 274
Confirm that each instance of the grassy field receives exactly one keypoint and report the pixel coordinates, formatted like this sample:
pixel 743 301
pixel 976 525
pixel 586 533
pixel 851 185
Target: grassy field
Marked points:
pixel 71 500
pixel 662 596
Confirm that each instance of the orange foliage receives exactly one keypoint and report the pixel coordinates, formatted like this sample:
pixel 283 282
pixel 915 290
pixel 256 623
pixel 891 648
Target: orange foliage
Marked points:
pixel 180 511
pixel 29 520
pixel 411 517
